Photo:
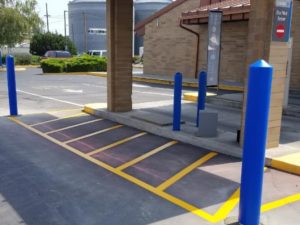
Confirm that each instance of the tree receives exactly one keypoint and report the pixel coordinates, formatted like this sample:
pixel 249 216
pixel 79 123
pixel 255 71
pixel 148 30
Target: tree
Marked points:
pixel 41 43
pixel 18 20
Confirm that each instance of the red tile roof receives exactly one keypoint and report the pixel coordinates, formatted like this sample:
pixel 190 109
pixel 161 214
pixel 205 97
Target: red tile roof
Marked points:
pixel 232 10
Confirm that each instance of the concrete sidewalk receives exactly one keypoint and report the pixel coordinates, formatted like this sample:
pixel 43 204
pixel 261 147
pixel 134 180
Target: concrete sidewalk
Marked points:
pixel 144 117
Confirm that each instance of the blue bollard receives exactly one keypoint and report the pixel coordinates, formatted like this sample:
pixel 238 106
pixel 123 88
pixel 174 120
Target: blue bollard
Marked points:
pixel 255 139
pixel 1 59
pixel 11 82
pixel 177 101
pixel 201 93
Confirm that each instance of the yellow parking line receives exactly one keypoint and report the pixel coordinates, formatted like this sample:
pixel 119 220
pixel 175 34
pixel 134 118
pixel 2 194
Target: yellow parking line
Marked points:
pixel 117 143
pixel 228 206
pixel 185 171
pixel 95 133
pixel 73 126
pixel 148 154
pixel 54 120
pixel 221 214
pixel 280 202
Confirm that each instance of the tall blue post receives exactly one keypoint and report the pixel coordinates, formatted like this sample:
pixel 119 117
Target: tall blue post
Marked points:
pixel 255 139
pixel 201 93
pixel 11 82
pixel 177 101
pixel 0 59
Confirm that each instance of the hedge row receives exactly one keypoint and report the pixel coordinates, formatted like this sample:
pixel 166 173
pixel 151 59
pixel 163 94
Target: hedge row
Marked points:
pixel 24 59
pixel 83 63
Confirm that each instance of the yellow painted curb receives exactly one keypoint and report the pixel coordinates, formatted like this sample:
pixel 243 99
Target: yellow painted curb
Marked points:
pixel 193 96
pixel 289 163
pixel 16 69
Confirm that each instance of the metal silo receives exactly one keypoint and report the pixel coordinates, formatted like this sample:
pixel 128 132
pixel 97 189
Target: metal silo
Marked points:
pixel 144 9
pixel 87 24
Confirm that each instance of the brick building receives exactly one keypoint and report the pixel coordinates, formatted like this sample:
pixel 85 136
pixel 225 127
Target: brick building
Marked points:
pixel 175 39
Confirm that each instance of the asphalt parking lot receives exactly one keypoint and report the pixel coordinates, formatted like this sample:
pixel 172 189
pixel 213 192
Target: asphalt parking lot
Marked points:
pixel 62 166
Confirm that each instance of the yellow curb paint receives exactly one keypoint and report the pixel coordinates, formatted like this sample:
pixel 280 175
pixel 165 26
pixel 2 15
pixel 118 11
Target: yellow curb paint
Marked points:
pixel 73 126
pixel 58 119
pixel 221 214
pixel 280 202
pixel 117 143
pixel 193 96
pixel 289 163
pixel 148 154
pixel 93 134
pixel 186 171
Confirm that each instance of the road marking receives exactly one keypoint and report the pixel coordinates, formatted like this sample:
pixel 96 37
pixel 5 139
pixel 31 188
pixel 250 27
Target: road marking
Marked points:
pixel 116 143
pixel 49 98
pixel 93 134
pixel 280 202
pixel 185 171
pixel 73 126
pixel 148 154
pixel 58 119
pixel 220 215
pixel 228 206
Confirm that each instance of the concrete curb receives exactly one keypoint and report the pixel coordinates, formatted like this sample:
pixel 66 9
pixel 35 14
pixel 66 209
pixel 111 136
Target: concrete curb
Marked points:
pixel 150 80
pixel 288 163
pixel 126 119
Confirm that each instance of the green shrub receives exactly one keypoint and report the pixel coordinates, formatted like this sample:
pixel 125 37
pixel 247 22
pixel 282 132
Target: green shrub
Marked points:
pixel 83 63
pixel 35 60
pixel 22 59
pixel 136 59
pixel 3 59
pixel 53 65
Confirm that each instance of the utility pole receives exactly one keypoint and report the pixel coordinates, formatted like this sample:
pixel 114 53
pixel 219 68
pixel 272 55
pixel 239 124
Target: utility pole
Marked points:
pixel 85 31
pixel 65 24
pixel 47 17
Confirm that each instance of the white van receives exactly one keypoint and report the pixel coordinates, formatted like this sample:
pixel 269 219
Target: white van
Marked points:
pixel 100 53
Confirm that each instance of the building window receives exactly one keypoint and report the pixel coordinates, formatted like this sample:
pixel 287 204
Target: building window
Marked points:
pixel 97 31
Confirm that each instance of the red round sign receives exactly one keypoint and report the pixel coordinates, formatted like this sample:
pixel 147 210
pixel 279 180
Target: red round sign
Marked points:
pixel 280 31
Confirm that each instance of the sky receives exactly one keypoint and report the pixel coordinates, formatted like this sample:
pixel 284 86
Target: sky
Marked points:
pixel 56 11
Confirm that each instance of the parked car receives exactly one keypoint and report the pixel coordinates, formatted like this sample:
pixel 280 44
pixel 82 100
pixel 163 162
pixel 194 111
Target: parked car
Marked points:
pixel 100 53
pixel 56 54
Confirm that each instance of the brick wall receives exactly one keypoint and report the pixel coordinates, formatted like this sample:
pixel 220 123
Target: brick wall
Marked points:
pixel 234 47
pixel 169 48
pixel 295 76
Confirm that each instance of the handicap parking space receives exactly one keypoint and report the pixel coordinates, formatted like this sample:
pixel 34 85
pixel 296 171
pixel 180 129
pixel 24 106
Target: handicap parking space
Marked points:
pixel 198 180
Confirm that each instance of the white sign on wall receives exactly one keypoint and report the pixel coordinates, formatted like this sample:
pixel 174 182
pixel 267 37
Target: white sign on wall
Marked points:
pixel 214 47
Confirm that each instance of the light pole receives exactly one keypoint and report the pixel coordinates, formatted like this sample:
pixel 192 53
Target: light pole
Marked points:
pixel 65 26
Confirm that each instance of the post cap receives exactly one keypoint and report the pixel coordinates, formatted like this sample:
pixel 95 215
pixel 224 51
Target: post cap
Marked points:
pixel 261 64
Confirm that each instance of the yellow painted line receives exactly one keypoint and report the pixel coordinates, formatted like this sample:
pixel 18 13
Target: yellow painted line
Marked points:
pixel 54 120
pixel 117 143
pixel 148 154
pixel 289 163
pixel 73 126
pixel 280 202
pixel 185 171
pixel 95 133
pixel 218 216
pixel 228 206
pixel 128 177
